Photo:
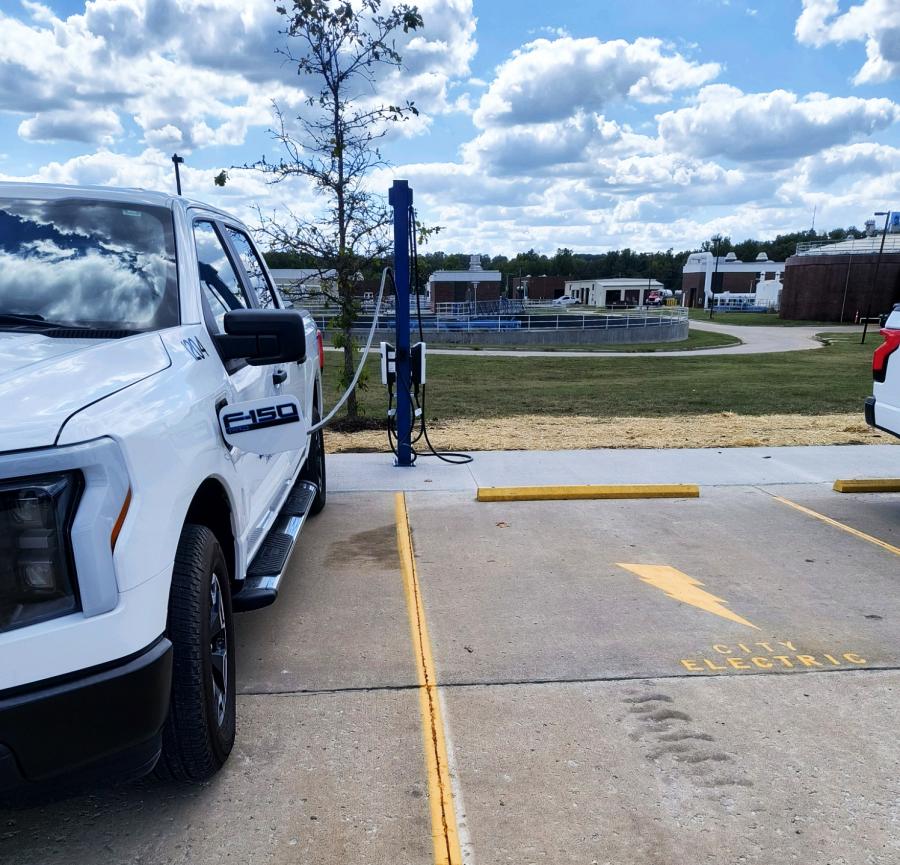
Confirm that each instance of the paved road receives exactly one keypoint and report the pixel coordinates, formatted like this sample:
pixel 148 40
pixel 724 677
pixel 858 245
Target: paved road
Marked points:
pixel 702 681
pixel 754 340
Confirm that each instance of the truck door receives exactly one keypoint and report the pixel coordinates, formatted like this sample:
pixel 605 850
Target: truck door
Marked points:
pixel 293 378
pixel 223 287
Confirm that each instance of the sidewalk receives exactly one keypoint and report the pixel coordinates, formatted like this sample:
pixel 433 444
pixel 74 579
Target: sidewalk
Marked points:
pixel 705 466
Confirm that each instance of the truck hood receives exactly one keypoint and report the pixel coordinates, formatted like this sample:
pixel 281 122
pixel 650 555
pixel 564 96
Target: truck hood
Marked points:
pixel 44 380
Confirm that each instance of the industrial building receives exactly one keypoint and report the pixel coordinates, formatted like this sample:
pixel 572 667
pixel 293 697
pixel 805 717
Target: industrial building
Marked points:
pixel 619 291
pixel 300 281
pixel 835 281
pixel 474 285
pixel 537 287
pixel 705 275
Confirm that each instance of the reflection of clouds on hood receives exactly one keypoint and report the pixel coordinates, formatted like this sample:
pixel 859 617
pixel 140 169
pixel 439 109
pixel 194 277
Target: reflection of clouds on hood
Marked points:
pixel 91 287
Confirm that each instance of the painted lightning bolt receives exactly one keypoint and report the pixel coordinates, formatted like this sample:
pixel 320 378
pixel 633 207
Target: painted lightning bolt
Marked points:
pixel 681 587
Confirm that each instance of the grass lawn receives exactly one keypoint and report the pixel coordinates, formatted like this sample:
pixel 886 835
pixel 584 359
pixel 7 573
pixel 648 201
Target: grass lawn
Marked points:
pixel 836 378
pixel 756 318
pixel 696 339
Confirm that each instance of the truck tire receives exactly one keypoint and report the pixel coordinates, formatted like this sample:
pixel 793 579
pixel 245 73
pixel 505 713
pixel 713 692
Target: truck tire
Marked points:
pixel 314 468
pixel 198 734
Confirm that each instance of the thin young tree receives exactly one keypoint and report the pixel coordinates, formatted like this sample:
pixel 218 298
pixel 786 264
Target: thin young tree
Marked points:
pixel 339 49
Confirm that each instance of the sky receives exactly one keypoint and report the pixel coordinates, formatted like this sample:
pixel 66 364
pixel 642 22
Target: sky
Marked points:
pixel 587 124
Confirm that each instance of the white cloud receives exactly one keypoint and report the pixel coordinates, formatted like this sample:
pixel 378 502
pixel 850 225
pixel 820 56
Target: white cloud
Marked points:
pixel 724 121
pixel 853 180
pixel 549 80
pixel 564 151
pixel 152 169
pixel 865 159
pixel 194 73
pixel 91 126
pixel 540 147
pixel 875 22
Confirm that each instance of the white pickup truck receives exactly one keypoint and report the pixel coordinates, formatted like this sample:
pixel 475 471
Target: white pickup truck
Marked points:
pixel 883 407
pixel 156 468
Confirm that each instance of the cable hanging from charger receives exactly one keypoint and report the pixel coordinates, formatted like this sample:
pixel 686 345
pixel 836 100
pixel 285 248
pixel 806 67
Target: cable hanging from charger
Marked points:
pixel 416 387
pixel 387 272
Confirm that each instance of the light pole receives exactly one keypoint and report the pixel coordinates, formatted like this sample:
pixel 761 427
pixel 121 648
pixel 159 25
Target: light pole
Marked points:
pixel 887 218
pixel 712 299
pixel 847 280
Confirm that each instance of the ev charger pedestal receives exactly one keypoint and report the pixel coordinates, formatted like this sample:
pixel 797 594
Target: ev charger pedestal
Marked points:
pixel 400 198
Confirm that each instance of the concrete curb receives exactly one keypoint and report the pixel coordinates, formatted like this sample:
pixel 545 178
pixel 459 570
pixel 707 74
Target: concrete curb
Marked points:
pixel 588 491
pixel 867 485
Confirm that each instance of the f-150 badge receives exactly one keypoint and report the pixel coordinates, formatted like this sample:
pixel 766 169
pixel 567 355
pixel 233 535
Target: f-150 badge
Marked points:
pixel 269 425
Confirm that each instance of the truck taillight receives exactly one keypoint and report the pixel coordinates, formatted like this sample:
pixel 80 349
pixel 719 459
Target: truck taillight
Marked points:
pixel 883 352
pixel 321 344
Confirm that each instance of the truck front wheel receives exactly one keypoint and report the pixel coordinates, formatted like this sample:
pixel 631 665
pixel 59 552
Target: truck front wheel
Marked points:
pixel 199 731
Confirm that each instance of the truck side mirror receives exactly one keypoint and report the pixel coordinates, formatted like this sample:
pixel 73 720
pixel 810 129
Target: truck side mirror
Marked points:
pixel 263 336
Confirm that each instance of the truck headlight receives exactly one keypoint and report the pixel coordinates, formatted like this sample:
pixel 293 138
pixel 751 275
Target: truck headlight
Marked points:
pixel 37 576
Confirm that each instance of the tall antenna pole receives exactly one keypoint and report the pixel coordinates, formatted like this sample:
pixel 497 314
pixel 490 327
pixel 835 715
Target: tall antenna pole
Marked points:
pixel 176 161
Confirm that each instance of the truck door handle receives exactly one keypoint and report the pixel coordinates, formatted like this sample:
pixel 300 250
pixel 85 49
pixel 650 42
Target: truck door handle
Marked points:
pixel 279 376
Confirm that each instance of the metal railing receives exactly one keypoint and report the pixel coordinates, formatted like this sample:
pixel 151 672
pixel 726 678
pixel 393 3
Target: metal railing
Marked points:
pixel 435 323
pixel 503 306
pixel 855 246
pixel 317 306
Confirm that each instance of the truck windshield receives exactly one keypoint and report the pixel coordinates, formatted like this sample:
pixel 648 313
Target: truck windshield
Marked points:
pixel 86 264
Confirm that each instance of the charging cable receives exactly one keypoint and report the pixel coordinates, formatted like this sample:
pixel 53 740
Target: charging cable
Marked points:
pixel 387 272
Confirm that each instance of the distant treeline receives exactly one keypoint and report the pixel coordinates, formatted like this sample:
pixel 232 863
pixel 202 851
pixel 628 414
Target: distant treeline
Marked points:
pixel 665 266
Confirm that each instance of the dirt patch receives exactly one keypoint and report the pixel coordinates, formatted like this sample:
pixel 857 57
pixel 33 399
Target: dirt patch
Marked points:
pixel 541 432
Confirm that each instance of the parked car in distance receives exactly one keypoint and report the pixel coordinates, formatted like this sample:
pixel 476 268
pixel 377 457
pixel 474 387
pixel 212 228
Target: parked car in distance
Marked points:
pixel 883 407
pixel 565 301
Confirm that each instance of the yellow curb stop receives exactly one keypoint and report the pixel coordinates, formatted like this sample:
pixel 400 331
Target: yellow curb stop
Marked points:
pixel 588 491
pixel 867 485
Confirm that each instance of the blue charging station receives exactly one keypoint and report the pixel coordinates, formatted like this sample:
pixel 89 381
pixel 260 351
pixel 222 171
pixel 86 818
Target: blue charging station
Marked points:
pixel 400 198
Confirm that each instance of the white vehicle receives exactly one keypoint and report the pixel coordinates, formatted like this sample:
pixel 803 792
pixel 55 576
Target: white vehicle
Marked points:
pixel 156 468
pixel 883 407
pixel 565 301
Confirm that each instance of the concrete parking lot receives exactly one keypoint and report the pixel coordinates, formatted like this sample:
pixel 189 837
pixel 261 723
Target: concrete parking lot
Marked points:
pixel 680 681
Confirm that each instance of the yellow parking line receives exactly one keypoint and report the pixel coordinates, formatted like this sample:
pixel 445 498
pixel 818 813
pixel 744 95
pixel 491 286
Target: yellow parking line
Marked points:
pixel 444 834
pixel 867 485
pixel 842 526
pixel 588 491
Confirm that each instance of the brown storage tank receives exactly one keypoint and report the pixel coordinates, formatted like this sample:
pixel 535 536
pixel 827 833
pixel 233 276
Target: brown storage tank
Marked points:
pixel 834 281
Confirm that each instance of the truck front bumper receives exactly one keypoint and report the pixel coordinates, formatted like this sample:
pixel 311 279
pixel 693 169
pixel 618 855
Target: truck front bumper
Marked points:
pixel 95 724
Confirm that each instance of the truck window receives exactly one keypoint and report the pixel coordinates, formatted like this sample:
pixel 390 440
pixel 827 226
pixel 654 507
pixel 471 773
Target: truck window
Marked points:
pixel 253 268
pixel 90 263
pixel 219 280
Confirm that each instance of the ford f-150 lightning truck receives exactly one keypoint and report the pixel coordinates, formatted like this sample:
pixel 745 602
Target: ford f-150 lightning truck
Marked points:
pixel 158 459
